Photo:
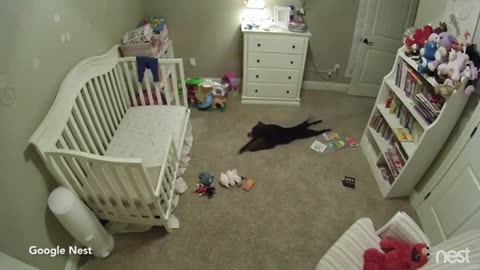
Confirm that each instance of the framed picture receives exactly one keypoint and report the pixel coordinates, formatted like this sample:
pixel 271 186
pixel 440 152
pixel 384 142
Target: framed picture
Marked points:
pixel 281 15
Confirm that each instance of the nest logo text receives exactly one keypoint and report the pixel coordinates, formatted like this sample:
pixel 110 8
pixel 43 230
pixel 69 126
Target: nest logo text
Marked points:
pixel 452 256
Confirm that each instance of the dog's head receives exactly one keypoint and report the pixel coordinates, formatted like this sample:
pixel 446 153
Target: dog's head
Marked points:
pixel 257 131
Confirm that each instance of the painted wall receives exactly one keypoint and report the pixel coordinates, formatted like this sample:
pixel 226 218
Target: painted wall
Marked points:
pixel 428 13
pixel 34 63
pixel 209 30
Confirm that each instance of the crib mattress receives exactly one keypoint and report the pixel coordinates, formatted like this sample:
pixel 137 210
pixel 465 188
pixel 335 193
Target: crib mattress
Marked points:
pixel 144 133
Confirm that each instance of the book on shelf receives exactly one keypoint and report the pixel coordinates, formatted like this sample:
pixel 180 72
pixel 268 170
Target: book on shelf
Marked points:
pixel 403 135
pixel 386 174
pixel 399 148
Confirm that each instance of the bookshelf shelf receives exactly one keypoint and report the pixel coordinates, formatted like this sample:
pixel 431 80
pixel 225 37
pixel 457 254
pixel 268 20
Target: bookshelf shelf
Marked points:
pixel 408 102
pixel 427 141
pixel 393 122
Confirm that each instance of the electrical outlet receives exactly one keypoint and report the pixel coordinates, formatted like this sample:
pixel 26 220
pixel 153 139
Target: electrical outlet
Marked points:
pixel 336 67
pixel 193 62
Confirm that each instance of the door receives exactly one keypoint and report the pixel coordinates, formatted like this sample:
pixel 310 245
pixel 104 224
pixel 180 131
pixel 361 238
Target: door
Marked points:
pixel 453 206
pixel 382 35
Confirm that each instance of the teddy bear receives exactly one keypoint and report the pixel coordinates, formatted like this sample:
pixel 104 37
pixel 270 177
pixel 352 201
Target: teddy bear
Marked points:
pixel 230 179
pixel 446 89
pixel 444 44
pixel 396 255
pixel 457 62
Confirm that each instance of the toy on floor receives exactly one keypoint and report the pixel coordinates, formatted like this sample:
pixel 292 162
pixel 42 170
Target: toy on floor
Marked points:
pixel 248 185
pixel 204 187
pixel 232 80
pixel 230 179
pixel 396 255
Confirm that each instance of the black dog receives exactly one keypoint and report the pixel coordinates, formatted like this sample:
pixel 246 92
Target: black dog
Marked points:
pixel 264 136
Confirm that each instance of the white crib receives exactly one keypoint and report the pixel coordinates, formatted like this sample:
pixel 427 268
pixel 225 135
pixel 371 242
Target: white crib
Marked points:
pixel 119 155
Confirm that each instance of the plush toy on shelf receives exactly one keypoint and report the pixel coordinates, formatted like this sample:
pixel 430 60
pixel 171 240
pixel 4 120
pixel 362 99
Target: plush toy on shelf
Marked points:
pixel 417 40
pixel 446 89
pixel 396 255
pixel 455 66
pixel 442 27
pixel 428 55
pixel 444 44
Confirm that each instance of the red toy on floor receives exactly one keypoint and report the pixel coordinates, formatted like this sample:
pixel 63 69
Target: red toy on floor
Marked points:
pixel 397 256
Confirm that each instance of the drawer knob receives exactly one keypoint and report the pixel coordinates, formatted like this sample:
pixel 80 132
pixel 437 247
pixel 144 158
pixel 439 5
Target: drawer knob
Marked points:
pixel 256 90
pixel 289 77
pixel 258 60
pixel 259 45
pixel 291 62
pixel 166 51
pixel 293 47
pixel 288 92
pixel 256 76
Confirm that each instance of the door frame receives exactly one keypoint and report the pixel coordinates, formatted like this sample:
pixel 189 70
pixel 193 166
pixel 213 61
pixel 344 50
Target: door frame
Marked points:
pixel 416 198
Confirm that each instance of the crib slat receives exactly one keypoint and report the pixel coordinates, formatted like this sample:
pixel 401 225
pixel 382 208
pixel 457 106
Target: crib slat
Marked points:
pixel 84 130
pixel 121 86
pixel 111 95
pixel 184 86
pixel 78 135
pixel 121 176
pixel 157 92
pixel 96 118
pixel 70 140
pixel 127 75
pixel 165 85
pixel 78 170
pixel 89 121
pixel 97 185
pixel 135 183
pixel 117 92
pixel 173 81
pixel 139 85
pixel 119 205
pixel 108 101
pixel 149 92
pixel 64 168
pixel 98 91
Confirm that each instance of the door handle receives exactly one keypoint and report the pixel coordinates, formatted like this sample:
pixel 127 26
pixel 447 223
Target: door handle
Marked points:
pixel 367 42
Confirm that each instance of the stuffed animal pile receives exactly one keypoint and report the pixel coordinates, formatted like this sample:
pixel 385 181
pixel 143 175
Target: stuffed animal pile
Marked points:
pixel 444 57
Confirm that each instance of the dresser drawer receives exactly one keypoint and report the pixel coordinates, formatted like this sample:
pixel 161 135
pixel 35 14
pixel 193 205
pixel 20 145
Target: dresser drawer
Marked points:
pixel 274 60
pixel 262 75
pixel 276 44
pixel 272 90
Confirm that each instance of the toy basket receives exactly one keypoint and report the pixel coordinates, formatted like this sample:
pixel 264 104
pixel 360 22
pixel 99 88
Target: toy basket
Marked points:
pixel 140 35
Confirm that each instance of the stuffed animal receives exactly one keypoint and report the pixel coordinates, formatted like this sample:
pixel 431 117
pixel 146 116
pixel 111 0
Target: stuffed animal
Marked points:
pixel 202 190
pixel 233 176
pixel 446 89
pixel 471 73
pixel 224 181
pixel 444 44
pixel 205 179
pixel 397 256
pixel 417 41
pixel 441 28
pixel 428 56
pixel 457 62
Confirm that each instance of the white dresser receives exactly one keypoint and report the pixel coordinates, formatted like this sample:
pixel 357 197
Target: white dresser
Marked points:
pixel 273 65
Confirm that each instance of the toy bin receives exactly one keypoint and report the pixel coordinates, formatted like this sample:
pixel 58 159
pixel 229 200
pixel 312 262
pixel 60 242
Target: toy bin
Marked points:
pixel 151 49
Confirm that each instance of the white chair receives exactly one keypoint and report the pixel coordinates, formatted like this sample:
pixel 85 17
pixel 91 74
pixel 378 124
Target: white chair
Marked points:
pixel 347 252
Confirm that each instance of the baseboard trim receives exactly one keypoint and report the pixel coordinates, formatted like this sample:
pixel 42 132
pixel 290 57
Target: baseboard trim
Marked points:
pixel 326 86
pixel 73 261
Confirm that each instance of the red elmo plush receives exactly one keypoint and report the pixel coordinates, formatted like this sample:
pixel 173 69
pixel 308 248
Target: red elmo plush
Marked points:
pixel 397 256
pixel 419 38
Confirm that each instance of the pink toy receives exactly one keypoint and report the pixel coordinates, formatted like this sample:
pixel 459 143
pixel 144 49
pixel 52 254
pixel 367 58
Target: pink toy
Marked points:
pixel 232 80
pixel 396 255
pixel 456 65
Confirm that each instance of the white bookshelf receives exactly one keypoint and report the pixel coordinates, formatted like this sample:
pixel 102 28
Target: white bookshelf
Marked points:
pixel 425 147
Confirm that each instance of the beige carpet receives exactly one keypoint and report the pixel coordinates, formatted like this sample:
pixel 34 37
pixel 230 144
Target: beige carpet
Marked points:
pixel 295 211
